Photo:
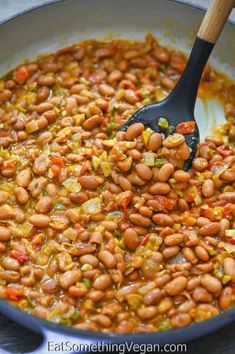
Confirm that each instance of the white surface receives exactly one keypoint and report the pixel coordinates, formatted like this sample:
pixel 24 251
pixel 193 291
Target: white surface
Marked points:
pixel 11 7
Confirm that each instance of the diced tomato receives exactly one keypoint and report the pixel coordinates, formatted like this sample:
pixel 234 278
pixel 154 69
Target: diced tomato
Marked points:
pixel 57 161
pixel 233 287
pixel 230 240
pixel 9 164
pixel 139 94
pixel 185 127
pixel 166 203
pixel 145 240
pixel 125 209
pixel 209 213
pixel 224 152
pixel 21 75
pixel 14 294
pixel 228 208
pixel 126 84
pixel 83 170
pixel 190 197
pixel 56 170
pixel 22 258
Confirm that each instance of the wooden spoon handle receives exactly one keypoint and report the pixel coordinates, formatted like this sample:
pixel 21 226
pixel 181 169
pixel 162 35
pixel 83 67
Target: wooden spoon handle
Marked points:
pixel 215 19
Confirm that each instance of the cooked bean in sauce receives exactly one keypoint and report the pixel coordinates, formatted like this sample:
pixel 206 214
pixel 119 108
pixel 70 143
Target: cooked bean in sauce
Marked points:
pixel 103 230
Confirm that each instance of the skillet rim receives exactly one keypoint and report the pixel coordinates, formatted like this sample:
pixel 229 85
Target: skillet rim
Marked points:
pixel 41 326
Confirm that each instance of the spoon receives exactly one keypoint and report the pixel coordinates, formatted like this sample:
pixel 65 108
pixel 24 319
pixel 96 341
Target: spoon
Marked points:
pixel 179 106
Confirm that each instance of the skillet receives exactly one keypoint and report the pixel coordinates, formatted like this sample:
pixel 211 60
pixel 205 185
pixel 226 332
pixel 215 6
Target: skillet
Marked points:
pixel 57 24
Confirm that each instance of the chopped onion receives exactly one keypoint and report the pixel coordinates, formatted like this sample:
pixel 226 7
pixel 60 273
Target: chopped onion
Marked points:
pixel 230 233
pixel 71 185
pixel 220 169
pixel 178 259
pixel 146 288
pixel 92 206
pixel 146 135
pixel 54 147
pixel 95 162
pixel 148 159
pixel 229 247
pixel 115 216
pixel 70 233
pixel 106 168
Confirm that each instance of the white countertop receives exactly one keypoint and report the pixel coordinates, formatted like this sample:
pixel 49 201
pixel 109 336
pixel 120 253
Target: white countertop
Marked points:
pixel 11 7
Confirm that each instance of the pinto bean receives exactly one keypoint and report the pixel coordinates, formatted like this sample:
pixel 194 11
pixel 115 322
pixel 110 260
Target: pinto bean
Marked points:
pixel 163 219
pixel 180 320
pixel 89 182
pixel 131 239
pixel 165 305
pixel 44 205
pixel 124 183
pixel 155 142
pixel 165 172
pixel 173 239
pixel 39 220
pixel 4 234
pixel 189 255
pixel 107 258
pixel 7 212
pixel 21 195
pixel 175 286
pixel 159 188
pixel 41 165
pixel 147 312
pixel 44 138
pixel 153 297
pixel 202 253
pixel 134 130
pixel 144 171
pixel 170 252
pixel 139 220
pixel 43 107
pixel 126 164
pixel 181 176
pixel 10 263
pixel 69 278
pixel 10 276
pixel 145 211
pixel 225 298
pixel 210 283
pixel 102 282
pixel 106 90
pixel 208 188
pixel 228 196
pixel 228 266
pixel 200 164
pixel 201 295
pixel 92 122
pixel 4 196
pixel 211 229
pixel 23 178
pixel 45 80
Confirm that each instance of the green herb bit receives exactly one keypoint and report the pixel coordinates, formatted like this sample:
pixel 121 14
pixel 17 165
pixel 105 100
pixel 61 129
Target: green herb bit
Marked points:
pixel 163 123
pixel 160 162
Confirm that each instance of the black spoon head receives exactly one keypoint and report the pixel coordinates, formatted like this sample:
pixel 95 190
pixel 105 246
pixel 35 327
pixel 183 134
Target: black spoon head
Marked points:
pixel 149 116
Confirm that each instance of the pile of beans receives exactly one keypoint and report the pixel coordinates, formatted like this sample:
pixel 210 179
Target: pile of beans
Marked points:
pixel 100 229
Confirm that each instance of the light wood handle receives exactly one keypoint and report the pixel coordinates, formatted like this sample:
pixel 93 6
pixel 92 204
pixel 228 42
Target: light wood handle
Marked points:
pixel 215 19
